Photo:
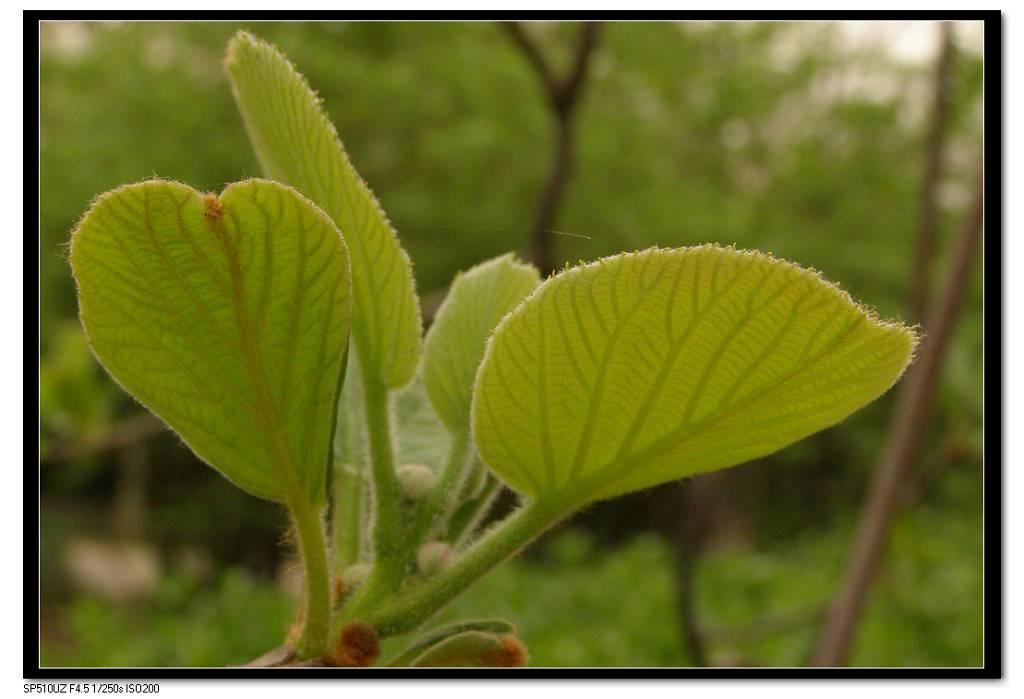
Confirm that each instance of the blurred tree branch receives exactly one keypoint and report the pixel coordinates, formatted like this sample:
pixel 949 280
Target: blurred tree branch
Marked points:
pixel 928 217
pixel 129 507
pixel 906 435
pixel 563 95
pixel 688 536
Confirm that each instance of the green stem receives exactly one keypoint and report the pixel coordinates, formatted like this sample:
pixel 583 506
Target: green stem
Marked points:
pixel 505 540
pixel 377 588
pixel 385 579
pixel 387 548
pixel 316 619
pixel 439 504
pixel 460 531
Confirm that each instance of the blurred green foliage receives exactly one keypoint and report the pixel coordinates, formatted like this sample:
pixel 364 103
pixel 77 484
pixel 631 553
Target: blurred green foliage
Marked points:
pixel 75 396
pixel 182 625
pixel 579 605
pixel 785 137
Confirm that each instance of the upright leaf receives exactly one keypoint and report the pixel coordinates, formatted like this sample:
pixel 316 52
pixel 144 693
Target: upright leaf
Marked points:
pixel 478 299
pixel 226 316
pixel 350 440
pixel 348 480
pixel 651 366
pixel 296 143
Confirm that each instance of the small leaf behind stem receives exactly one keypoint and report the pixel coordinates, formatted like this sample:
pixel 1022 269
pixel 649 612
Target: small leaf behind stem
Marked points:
pixel 478 299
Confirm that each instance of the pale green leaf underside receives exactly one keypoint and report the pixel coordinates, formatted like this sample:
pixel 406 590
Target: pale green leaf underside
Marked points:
pixel 652 366
pixel 478 299
pixel 350 441
pixel 226 317
pixel 296 143
pixel 420 438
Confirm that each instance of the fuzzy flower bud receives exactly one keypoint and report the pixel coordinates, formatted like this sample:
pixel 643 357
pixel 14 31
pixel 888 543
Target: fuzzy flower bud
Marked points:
pixel 355 575
pixel 433 557
pixel 416 481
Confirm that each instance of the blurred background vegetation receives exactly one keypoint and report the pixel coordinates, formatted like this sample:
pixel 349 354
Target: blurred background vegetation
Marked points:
pixel 807 140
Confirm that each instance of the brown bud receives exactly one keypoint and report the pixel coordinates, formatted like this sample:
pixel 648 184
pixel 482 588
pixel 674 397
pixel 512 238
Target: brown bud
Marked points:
pixel 359 646
pixel 511 653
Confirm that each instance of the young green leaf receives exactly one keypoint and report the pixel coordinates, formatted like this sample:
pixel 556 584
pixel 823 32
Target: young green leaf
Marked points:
pixel 647 367
pixel 493 627
pixel 455 344
pixel 296 143
pixel 226 316
pixel 349 510
pixel 474 649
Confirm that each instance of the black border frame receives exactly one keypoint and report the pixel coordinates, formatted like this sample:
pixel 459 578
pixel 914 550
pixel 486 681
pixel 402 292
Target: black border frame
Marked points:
pixel 993 336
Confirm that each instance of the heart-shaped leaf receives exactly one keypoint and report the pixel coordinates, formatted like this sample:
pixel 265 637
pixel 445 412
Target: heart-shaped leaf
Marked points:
pixel 648 367
pixel 226 316
pixel 477 300
pixel 296 143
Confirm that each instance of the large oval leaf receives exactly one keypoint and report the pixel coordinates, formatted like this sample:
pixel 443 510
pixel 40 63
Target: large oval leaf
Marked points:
pixel 647 367
pixel 478 299
pixel 226 316
pixel 296 143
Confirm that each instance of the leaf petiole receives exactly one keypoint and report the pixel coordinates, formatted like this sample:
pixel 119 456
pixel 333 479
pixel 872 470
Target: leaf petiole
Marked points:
pixel 387 549
pixel 308 524
pixel 439 505
pixel 500 543
pixel 465 521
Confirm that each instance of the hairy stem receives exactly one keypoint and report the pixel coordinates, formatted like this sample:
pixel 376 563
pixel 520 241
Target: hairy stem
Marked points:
pixel 387 498
pixel 388 551
pixel 316 618
pixel 460 532
pixel 505 540
pixel 438 506
pixel 387 575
